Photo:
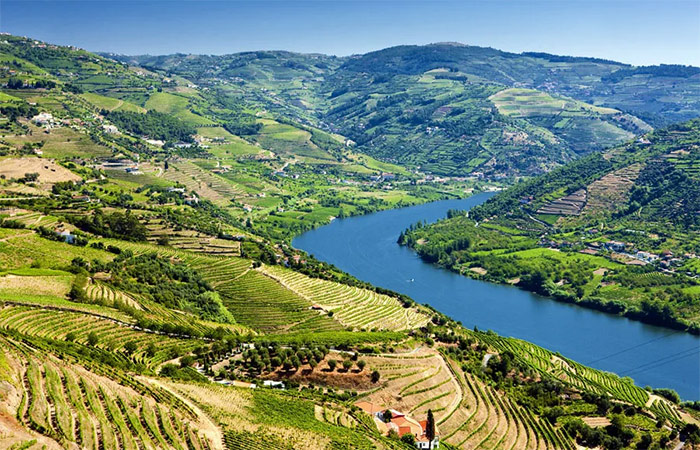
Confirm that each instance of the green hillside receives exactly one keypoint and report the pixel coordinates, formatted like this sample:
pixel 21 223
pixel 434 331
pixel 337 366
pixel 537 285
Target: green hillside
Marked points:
pixel 448 108
pixel 149 293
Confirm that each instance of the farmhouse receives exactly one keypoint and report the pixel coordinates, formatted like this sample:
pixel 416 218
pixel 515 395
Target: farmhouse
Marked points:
pixel 646 256
pixel 388 420
pixel 156 142
pixel 81 198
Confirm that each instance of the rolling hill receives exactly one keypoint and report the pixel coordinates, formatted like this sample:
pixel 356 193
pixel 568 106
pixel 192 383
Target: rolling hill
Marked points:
pixel 454 109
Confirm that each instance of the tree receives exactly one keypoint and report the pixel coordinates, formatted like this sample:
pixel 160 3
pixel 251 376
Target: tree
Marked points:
pixel 347 364
pixel 430 426
pixel 186 361
pixel 313 364
pixel 387 415
pixel 71 336
pixel 151 349
pixel 409 439
pixel 361 364
pixel 15 83
pixel 93 339
pixel 375 376
pixel 331 364
pixel 130 347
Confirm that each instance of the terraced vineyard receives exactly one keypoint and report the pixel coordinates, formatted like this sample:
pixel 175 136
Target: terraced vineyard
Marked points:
pixel 662 408
pixel 255 300
pixel 204 183
pixel 191 240
pixel 80 409
pixel 30 219
pixel 577 375
pixel 263 419
pixel 111 335
pixel 109 296
pixel 569 205
pixel 686 160
pixel 258 301
pixel 416 383
pixel 351 306
pixel 609 191
pixel 469 413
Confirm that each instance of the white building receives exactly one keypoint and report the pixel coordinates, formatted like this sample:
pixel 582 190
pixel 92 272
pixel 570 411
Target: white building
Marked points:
pixel 43 119
pixel 110 129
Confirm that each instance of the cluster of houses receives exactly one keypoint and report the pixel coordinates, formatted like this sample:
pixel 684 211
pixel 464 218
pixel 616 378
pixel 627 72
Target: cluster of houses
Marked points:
pixel 390 420
pixel 48 121
pixel 665 260
pixel 110 129
pixel 625 252
pixel 384 176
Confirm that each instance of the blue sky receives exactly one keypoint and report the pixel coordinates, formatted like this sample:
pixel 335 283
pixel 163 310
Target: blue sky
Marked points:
pixel 633 31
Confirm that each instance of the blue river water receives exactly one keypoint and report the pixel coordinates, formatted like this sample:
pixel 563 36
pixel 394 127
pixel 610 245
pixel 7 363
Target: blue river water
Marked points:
pixel 365 246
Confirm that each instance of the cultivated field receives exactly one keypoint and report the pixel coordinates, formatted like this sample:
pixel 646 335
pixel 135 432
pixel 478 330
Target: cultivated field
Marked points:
pixel 75 408
pixel 351 306
pixel 607 193
pixel 569 205
pixel 49 171
pixel 206 184
pixel 469 413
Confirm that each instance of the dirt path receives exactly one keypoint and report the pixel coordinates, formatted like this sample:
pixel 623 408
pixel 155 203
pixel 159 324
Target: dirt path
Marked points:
pixel 457 400
pixel 206 426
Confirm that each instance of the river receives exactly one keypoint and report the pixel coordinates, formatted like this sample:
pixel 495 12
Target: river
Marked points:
pixel 365 246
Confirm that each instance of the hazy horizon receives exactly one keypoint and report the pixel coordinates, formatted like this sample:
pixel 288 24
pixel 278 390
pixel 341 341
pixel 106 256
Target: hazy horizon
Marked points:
pixel 638 33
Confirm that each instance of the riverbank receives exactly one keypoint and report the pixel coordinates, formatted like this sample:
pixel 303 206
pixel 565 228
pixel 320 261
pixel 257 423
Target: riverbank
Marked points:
pixel 365 247
pixel 552 291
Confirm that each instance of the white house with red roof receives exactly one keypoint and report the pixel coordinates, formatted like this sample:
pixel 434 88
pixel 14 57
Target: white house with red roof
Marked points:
pixel 399 423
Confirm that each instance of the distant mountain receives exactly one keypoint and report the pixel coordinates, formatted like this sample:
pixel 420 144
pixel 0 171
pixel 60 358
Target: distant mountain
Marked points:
pixel 450 108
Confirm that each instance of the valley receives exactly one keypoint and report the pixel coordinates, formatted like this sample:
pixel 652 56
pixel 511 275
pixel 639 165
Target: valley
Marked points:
pixel 158 289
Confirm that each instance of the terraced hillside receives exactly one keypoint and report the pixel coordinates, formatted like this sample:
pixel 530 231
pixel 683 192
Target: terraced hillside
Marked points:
pixel 194 241
pixel 206 184
pixel 469 413
pixel 66 406
pixel 450 108
pixel 136 316
pixel 351 306
pixel 51 323
pixel 569 205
